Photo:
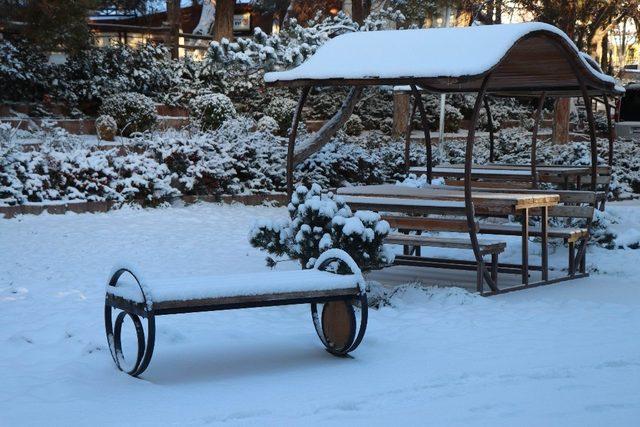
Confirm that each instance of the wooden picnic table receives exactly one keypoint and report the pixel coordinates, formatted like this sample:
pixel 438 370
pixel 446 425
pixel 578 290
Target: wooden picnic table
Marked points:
pixel 450 201
pixel 546 173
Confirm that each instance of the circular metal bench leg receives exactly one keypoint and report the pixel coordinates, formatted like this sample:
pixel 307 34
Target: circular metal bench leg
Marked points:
pixel 114 332
pixel 114 339
pixel 337 327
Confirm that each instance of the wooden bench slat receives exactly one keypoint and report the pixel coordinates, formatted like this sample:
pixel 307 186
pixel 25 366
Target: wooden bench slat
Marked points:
pixel 416 206
pixel 571 234
pixel 567 211
pixel 253 300
pixel 428 224
pixel 444 242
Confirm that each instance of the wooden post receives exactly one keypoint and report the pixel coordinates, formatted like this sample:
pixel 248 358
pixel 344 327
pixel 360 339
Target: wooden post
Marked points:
pixel 525 246
pixel 401 113
pixel 173 18
pixel 560 131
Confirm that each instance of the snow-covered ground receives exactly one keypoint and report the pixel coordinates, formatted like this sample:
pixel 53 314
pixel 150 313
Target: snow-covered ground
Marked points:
pixel 556 355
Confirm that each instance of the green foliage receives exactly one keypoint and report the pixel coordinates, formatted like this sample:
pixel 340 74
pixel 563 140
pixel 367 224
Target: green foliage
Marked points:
pixel 319 222
pixel 133 112
pixel 353 126
pixel 416 11
pixel 281 109
pixel 24 72
pixel 210 110
pixel 52 25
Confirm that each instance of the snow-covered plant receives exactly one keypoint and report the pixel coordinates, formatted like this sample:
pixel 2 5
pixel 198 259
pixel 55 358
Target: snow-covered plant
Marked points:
pixel 106 127
pixel 281 109
pixel 24 72
pixel 452 115
pixel 92 75
pixel 82 174
pixel 323 221
pixel 353 126
pixel 133 112
pixel 375 107
pixel 142 178
pixel 267 124
pixel 209 110
pixel 324 102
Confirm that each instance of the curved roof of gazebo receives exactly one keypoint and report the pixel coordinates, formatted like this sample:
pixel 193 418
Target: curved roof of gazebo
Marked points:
pixel 522 58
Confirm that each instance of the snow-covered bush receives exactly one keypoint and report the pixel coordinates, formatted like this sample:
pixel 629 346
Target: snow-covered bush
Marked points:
pixel 232 159
pixel 133 112
pixel 92 75
pixel 376 109
pixel 267 124
pixel 106 127
pixel 324 102
pixel 24 72
pixel 238 158
pixel 210 110
pixel 452 115
pixel 141 177
pixel 282 110
pixel 353 126
pixel 323 221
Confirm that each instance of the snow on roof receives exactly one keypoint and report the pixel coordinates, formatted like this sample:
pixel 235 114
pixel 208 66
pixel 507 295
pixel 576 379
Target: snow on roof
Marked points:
pixel 423 53
pixel 154 6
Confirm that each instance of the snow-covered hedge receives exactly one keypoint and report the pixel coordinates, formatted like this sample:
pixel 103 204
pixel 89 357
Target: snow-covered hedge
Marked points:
pixel 209 110
pixel 133 112
pixel 24 73
pixel 235 68
pixel 238 157
pixel 319 222
pixel 281 110
pixel 353 126
pixel 268 124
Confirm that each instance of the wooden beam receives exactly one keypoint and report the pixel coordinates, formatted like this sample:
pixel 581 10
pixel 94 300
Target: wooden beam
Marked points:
pixel 319 139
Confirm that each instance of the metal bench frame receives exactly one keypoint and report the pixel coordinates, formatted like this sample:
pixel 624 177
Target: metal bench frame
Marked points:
pixel 341 299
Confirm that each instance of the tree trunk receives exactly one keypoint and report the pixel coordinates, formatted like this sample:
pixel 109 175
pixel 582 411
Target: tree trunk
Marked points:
pixel 604 59
pixel 207 18
pixel 357 13
pixel 173 17
pixel 366 9
pixel 561 112
pixel 562 106
pixel 223 25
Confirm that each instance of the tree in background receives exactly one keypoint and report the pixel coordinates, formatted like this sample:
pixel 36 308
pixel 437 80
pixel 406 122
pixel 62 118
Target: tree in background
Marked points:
pixel 416 11
pixel 207 18
pixel 587 23
pixel 223 24
pixel 51 24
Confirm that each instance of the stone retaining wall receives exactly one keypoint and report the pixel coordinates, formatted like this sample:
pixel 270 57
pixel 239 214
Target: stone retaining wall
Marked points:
pixel 92 207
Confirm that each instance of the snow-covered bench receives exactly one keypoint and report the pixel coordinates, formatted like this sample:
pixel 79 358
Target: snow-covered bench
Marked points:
pixel 413 242
pixel 338 294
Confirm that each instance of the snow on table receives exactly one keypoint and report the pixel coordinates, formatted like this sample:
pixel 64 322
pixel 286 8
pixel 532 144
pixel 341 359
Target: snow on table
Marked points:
pixel 235 285
pixel 483 171
pixel 421 53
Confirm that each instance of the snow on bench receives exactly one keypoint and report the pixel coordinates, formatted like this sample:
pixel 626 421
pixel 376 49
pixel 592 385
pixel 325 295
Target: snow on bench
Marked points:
pixel 338 294
pixel 237 285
